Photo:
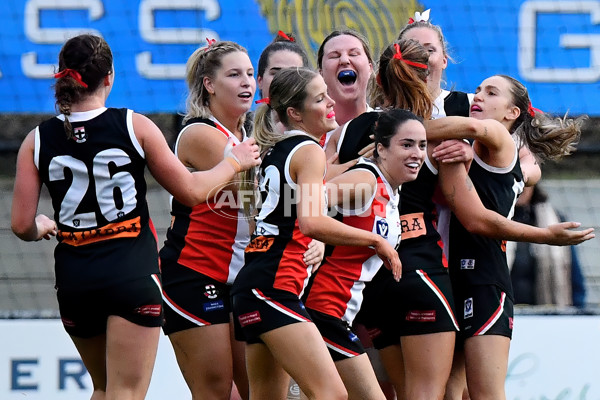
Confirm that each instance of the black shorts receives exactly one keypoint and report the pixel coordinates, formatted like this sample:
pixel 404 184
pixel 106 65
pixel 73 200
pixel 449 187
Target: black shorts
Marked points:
pixel 85 313
pixel 256 312
pixel 192 299
pixel 339 337
pixel 420 303
pixel 485 310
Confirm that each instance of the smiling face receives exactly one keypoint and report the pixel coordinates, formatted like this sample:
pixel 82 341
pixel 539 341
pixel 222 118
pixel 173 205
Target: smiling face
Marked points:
pixel 317 116
pixel 403 158
pixel 277 60
pixel 233 84
pixel 493 100
pixel 438 61
pixel 346 69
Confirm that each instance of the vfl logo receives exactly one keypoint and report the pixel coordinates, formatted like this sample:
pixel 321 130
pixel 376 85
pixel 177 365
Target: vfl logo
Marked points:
pixel 79 135
pixel 382 228
pixel 467 263
pixel 211 291
pixel 468 310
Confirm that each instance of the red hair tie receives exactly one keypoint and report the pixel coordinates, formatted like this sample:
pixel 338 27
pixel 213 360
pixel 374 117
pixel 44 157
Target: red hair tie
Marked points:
pixel 398 56
pixel 73 74
pixel 264 100
pixel 286 37
pixel 210 43
pixel 532 110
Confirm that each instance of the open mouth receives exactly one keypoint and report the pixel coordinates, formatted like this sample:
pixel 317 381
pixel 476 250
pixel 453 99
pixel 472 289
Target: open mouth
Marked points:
pixel 347 77
pixel 475 108
pixel 245 95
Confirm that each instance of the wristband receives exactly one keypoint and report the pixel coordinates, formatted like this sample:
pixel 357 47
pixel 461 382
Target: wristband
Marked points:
pixel 234 163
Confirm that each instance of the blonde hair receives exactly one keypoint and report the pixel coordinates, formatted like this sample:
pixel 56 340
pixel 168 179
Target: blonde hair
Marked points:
pixel 205 62
pixel 288 89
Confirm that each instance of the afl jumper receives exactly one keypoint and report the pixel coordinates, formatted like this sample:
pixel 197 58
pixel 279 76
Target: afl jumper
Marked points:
pixel 423 297
pixel 202 254
pixel 477 261
pixel 337 286
pixel 266 293
pixel 105 236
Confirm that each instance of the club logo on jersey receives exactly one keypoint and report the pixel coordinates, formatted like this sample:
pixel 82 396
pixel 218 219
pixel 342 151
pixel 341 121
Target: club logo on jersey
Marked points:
pixel 79 134
pixel 468 310
pixel 211 291
pixel 382 228
pixel 467 263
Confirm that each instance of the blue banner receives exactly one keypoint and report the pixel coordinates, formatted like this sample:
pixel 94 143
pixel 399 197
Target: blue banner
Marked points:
pixel 553 47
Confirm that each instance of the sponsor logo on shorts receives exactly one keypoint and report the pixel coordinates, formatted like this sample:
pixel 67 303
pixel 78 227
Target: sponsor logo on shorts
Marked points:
pixel 352 337
pixel 467 263
pixel 213 306
pixel 260 244
pixel 468 307
pixel 152 310
pixel 68 322
pixel 373 332
pixel 211 291
pixel 421 316
pixel 510 323
pixel 249 318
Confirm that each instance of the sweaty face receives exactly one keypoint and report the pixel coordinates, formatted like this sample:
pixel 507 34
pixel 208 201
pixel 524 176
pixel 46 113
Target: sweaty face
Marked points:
pixel 233 85
pixel 277 60
pixel 438 61
pixel 317 116
pixel 346 68
pixel 493 100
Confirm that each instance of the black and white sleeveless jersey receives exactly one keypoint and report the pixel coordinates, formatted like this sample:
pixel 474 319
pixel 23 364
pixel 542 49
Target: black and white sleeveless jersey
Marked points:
pixel 421 245
pixel 479 260
pixel 452 103
pixel 96 182
pixel 277 215
pixel 355 136
pixel 274 257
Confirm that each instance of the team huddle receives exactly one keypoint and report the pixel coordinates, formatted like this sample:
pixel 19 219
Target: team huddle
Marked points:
pixel 368 262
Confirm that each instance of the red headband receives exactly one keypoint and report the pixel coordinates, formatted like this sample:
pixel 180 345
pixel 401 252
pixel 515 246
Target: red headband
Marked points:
pixel 532 110
pixel 73 74
pixel 264 100
pixel 286 37
pixel 210 43
pixel 398 56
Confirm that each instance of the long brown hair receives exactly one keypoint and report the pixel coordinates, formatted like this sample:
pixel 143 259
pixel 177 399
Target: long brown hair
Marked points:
pixel 402 84
pixel 547 137
pixel 91 58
